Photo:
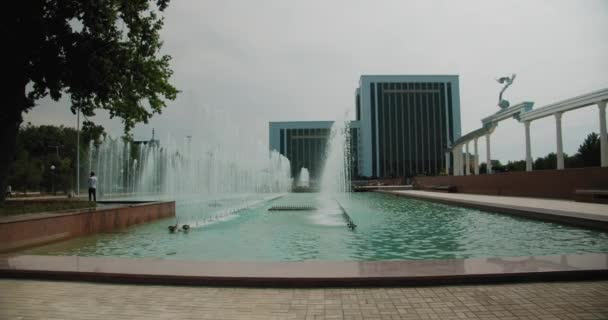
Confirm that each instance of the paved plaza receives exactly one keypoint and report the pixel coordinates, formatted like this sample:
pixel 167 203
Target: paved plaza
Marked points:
pixel 30 299
pixel 594 211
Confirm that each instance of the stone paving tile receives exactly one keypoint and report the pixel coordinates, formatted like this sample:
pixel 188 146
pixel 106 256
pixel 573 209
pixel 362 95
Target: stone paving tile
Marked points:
pixel 29 299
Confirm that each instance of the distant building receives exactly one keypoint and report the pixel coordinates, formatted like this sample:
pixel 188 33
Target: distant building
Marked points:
pixel 404 125
pixel 302 142
pixel 407 122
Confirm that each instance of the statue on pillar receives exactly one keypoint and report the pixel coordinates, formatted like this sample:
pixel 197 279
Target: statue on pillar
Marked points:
pixel 503 103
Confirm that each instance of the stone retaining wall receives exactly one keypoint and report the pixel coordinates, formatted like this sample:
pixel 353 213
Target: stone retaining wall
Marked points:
pixel 18 233
pixel 559 184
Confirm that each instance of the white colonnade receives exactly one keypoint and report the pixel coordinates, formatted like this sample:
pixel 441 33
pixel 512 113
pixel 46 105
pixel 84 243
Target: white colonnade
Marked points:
pixel 523 112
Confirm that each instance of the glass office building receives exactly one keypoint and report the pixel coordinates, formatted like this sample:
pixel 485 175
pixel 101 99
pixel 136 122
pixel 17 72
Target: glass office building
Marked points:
pixel 303 143
pixel 407 122
pixel 403 126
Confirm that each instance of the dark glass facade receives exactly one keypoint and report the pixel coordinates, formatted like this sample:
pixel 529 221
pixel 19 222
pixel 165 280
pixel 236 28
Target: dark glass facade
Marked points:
pixel 358 107
pixel 353 151
pixel 410 127
pixel 305 148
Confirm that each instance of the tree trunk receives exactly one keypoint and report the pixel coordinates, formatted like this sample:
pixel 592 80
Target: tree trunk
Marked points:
pixel 10 120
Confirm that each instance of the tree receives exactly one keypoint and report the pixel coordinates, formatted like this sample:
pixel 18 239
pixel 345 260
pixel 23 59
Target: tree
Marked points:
pixel 103 54
pixel 588 156
pixel 548 162
pixel 39 147
pixel 26 173
pixel 589 151
pixel 519 165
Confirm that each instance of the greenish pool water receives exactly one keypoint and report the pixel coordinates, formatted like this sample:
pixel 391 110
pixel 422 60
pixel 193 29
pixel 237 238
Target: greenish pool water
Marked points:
pixel 388 228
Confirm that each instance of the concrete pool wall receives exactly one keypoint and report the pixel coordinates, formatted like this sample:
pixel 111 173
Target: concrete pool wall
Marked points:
pixel 556 184
pixel 23 231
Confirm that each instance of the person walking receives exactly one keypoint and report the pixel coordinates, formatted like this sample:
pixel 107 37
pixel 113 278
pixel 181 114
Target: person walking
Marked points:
pixel 93 187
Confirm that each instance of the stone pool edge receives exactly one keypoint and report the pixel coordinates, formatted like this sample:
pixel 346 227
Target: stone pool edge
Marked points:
pixel 17 233
pixel 563 217
pixel 307 274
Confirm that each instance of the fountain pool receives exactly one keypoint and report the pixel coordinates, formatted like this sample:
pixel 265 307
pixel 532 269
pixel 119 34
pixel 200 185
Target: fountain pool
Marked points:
pixel 388 228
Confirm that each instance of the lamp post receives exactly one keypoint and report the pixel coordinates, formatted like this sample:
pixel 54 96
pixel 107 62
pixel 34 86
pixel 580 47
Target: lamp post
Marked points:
pixel 78 153
pixel 53 178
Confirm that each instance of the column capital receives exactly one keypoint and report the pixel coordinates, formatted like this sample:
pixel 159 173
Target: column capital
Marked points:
pixel 527 123
pixel 558 115
pixel 602 104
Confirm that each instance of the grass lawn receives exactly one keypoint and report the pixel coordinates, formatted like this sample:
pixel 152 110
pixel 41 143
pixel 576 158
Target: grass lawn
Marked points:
pixel 9 208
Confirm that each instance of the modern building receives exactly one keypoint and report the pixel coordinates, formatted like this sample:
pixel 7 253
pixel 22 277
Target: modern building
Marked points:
pixel 404 126
pixel 302 142
pixel 407 123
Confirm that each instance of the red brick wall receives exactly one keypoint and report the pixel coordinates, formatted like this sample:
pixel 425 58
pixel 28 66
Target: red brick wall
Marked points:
pixel 542 183
pixel 25 233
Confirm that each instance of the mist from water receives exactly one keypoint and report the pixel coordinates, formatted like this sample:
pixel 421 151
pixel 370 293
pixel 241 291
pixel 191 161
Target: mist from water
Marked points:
pixel 219 160
pixel 303 179
pixel 336 177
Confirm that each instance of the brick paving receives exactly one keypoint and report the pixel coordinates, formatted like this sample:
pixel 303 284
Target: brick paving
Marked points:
pixel 29 299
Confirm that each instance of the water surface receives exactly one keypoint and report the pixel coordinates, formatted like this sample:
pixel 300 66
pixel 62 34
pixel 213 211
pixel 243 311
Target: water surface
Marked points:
pixel 388 228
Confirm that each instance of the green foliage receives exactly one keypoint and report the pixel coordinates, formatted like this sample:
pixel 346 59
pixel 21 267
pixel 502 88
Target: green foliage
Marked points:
pixel 26 172
pixel 103 54
pixel 516 165
pixel 39 147
pixel 588 156
pixel 548 162
pixel 91 132
pixel 497 166
pixel 589 152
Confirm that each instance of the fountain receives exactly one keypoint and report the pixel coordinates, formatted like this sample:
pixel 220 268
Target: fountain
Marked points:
pixel 211 165
pixel 303 180
pixel 175 172
pixel 336 177
pixel 335 184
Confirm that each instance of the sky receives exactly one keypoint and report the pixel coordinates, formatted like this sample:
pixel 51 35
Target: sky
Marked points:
pixel 274 60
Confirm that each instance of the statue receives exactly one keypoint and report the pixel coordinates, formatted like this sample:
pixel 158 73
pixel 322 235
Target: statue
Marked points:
pixel 502 103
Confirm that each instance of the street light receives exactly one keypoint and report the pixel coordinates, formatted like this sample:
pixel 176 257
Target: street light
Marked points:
pixel 53 178
pixel 78 153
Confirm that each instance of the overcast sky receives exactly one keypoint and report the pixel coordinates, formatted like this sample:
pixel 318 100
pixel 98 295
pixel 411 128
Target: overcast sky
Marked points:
pixel 260 61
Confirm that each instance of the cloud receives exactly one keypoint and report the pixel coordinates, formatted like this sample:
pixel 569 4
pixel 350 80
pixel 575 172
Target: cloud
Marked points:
pixel 260 61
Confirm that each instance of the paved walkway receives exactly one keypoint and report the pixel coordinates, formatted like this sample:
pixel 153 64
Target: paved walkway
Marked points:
pixel 590 210
pixel 28 299
pixel 53 214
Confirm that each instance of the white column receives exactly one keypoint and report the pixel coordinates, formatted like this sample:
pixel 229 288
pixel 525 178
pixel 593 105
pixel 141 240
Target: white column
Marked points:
pixel 560 146
pixel 603 134
pixel 447 163
pixel 528 147
pixel 488 154
pixel 458 161
pixel 455 156
pixel 467 162
pixel 476 158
